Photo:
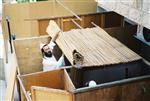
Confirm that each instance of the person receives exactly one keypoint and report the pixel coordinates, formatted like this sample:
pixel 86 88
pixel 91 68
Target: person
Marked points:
pixel 49 62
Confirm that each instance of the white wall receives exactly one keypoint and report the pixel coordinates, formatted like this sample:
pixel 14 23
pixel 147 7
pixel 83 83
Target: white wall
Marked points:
pixel 135 10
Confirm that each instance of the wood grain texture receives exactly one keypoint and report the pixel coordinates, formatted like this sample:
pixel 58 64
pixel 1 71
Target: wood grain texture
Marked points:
pixel 106 94
pixel 124 92
pixel 43 24
pixel 97 47
pixel 48 85
pixel 50 79
pixel 49 94
pixel 68 24
pixel 96 18
pixel 29 54
pixel 46 9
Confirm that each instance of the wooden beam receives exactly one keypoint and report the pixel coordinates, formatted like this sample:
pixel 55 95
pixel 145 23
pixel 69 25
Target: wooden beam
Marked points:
pixel 49 94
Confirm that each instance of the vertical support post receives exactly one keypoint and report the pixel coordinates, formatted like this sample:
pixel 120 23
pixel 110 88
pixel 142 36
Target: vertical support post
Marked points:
pixel 9 32
pixel 103 21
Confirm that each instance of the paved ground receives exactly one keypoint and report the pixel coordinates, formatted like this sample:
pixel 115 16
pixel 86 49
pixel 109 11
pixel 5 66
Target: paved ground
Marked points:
pixel 2 89
pixel 1 55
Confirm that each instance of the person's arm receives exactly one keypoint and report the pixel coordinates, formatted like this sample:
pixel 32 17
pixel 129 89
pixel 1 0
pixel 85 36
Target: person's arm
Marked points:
pixel 52 44
pixel 55 37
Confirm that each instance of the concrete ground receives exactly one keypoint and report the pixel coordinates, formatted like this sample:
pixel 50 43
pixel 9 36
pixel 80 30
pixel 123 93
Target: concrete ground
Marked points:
pixel 2 75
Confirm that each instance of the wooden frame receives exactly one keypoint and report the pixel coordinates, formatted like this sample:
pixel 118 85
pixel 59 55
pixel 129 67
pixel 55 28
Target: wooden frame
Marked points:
pixel 58 79
pixel 115 90
pixel 25 60
pixel 66 24
pixel 25 52
pixel 42 93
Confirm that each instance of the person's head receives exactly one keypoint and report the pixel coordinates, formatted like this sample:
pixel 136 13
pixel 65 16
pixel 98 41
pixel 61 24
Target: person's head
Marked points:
pixel 46 51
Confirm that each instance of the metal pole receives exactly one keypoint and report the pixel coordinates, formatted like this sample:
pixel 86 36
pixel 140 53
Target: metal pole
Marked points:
pixel 9 32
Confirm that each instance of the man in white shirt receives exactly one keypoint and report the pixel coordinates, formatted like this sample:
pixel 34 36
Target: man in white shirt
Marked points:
pixel 49 61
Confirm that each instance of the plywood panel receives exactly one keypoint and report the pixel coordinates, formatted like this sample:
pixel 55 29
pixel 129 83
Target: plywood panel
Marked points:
pixel 106 94
pixel 49 94
pixel 43 24
pixel 97 47
pixel 54 9
pixel 17 13
pixel 68 24
pixel 46 9
pixel 50 79
pixel 46 82
pixel 34 28
pixel 29 54
pixel 113 20
pixel 133 91
pixel 96 18
pixel 82 6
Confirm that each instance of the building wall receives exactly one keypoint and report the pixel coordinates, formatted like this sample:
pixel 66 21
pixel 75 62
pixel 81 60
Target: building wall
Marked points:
pixel 135 10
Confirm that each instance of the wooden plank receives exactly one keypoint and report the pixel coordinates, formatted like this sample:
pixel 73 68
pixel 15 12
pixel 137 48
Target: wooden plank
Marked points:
pixel 19 12
pixel 49 94
pixel 97 47
pixel 25 52
pixel 96 18
pixel 134 91
pixel 50 79
pixel 106 94
pixel 68 24
pixel 140 89
pixel 43 24
pixel 78 7
pixel 61 82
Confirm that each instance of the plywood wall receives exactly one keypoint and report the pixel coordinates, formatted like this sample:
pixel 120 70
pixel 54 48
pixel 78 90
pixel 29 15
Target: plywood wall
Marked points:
pixel 49 94
pixel 104 20
pixel 124 92
pixel 29 54
pixel 19 13
pixel 50 79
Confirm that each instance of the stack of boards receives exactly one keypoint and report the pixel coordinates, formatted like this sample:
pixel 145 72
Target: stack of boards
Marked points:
pixel 97 46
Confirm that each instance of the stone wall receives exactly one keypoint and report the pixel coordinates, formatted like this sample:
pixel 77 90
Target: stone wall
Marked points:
pixel 135 10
